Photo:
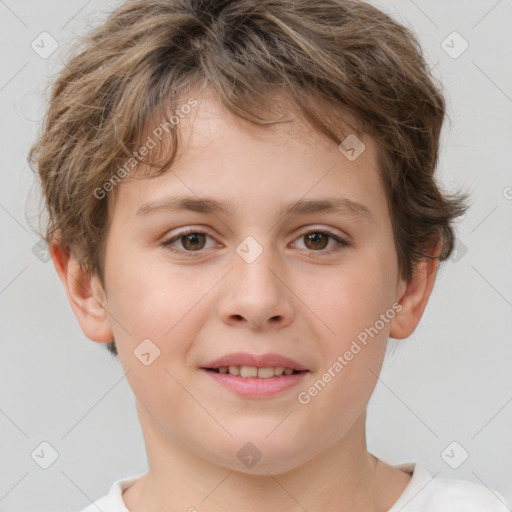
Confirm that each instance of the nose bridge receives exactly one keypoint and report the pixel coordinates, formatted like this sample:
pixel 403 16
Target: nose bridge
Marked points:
pixel 253 264
pixel 256 292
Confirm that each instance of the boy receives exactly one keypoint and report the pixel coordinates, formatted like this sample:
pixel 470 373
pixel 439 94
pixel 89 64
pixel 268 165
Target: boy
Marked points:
pixel 260 129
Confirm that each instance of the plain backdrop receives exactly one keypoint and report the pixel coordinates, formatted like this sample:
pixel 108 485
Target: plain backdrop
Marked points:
pixel 444 394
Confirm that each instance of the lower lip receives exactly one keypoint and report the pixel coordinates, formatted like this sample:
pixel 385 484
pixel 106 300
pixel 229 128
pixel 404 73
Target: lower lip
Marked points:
pixel 256 387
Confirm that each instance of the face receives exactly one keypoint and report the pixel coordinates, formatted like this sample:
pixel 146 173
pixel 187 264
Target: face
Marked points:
pixel 257 279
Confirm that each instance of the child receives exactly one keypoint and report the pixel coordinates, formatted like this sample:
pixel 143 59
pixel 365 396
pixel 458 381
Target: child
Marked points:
pixel 260 129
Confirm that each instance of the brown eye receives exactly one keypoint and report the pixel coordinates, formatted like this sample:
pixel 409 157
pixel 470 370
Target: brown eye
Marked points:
pixel 316 240
pixel 322 242
pixel 188 242
pixel 193 241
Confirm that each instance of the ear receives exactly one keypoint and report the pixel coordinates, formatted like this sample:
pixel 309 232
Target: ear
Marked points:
pixel 413 295
pixel 84 293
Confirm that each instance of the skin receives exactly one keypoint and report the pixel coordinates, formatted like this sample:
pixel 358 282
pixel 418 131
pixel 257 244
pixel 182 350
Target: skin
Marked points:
pixel 295 299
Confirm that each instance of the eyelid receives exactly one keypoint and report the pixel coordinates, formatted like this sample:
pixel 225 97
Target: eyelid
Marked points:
pixel 169 240
pixel 342 242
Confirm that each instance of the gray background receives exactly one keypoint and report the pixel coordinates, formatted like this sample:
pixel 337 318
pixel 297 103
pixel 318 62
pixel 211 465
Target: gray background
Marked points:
pixel 450 381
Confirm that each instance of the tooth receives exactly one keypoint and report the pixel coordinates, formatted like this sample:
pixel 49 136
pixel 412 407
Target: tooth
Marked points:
pixel 234 370
pixel 248 371
pixel 253 371
pixel 265 373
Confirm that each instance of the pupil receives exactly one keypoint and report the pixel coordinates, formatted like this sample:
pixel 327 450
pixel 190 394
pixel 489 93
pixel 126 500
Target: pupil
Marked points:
pixel 194 237
pixel 314 237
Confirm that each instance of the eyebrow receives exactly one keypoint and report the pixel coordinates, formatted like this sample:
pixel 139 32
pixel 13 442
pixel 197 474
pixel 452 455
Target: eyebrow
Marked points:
pixel 338 205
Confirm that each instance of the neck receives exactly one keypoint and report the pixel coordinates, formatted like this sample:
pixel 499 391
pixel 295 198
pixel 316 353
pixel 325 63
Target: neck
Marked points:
pixel 342 478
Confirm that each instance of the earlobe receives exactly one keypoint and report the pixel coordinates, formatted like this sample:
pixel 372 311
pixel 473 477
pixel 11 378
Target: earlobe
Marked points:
pixel 413 296
pixel 84 294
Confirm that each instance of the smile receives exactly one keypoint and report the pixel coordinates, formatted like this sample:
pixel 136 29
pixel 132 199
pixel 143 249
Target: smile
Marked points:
pixel 254 371
pixel 245 381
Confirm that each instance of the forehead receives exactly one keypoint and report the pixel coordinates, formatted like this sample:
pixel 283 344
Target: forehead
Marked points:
pixel 281 121
pixel 229 160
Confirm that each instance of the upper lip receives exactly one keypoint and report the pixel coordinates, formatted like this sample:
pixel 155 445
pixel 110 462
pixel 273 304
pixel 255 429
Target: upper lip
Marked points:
pixel 260 361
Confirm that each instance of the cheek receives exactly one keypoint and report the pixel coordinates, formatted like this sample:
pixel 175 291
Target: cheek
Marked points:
pixel 156 302
pixel 356 296
pixel 353 355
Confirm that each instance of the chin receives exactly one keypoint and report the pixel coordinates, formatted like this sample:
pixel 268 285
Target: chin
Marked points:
pixel 257 455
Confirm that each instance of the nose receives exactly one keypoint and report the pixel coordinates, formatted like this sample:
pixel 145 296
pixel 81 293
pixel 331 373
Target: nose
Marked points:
pixel 256 293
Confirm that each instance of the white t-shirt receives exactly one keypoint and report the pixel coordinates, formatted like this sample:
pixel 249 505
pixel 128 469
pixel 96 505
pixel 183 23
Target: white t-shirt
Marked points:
pixel 423 494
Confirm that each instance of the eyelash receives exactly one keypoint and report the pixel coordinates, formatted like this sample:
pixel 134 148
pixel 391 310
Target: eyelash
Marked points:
pixel 167 243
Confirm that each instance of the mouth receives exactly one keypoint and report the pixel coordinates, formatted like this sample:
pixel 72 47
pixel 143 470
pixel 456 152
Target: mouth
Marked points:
pixel 255 372
pixel 256 381
pixel 256 376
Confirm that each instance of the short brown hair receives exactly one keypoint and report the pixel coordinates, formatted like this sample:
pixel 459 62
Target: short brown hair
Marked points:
pixel 142 61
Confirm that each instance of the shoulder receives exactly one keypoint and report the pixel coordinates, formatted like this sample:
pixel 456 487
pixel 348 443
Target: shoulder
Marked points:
pixel 113 500
pixel 427 493
pixel 453 493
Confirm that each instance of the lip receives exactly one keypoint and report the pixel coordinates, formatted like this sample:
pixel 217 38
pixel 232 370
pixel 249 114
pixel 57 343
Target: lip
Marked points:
pixel 260 361
pixel 254 387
